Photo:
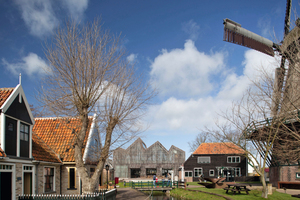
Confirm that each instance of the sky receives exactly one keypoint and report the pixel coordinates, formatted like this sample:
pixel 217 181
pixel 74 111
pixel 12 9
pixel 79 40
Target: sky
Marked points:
pixel 177 45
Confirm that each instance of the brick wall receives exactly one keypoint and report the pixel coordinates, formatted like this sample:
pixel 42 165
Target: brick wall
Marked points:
pixel 18 182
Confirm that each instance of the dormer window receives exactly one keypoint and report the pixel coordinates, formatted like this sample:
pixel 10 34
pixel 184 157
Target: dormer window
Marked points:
pixel 24 132
pixel 24 140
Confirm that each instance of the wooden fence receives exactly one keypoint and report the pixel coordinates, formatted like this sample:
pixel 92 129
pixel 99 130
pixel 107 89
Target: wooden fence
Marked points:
pixel 102 195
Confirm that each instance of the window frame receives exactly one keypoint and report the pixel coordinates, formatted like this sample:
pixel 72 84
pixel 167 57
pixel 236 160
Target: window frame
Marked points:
pixel 198 173
pixel 53 179
pixel 237 169
pixel 211 170
pixel 69 180
pixel 297 175
pixel 231 158
pixel 198 160
pixel 188 173
pixel 24 133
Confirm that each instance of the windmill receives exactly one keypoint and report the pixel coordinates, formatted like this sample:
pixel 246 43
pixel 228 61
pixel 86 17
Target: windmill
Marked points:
pixel 234 33
pixel 286 88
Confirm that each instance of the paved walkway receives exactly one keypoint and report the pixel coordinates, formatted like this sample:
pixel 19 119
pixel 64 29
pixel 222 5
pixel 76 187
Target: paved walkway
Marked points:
pixel 132 194
pixel 288 191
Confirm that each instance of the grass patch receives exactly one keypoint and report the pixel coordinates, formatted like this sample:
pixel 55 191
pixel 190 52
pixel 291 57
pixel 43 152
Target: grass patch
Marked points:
pixel 253 194
pixel 184 194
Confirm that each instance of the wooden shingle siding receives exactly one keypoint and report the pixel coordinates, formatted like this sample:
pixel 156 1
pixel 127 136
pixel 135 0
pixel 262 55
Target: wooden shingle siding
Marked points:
pixel 217 160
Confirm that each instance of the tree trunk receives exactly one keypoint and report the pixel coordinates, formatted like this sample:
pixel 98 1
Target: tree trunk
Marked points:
pixel 264 193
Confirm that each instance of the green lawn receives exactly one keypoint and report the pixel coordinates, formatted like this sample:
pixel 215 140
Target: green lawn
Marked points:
pixel 254 194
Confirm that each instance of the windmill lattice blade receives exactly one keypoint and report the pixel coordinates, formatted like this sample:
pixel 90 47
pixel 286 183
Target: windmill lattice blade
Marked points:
pixel 236 38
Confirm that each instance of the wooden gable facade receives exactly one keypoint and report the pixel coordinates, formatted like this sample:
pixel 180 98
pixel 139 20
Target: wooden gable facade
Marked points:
pixel 16 121
pixel 215 160
pixel 139 161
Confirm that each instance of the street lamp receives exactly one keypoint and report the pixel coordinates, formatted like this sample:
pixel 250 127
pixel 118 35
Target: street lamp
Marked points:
pixel 107 168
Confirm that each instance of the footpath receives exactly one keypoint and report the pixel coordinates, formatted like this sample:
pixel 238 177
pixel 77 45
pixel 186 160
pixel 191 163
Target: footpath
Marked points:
pixel 132 194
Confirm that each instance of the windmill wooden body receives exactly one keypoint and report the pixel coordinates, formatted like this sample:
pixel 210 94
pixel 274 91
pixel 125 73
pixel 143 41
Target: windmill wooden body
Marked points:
pixel 285 109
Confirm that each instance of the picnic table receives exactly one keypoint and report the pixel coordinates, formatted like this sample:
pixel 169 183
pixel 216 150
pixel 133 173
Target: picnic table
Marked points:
pixel 237 188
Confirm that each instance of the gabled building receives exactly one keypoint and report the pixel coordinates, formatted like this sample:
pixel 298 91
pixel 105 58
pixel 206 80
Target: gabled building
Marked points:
pixel 59 135
pixel 139 161
pixel 216 160
pixel 37 155
pixel 17 171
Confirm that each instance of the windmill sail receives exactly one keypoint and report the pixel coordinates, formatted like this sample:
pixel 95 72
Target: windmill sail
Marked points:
pixel 234 33
pixel 281 71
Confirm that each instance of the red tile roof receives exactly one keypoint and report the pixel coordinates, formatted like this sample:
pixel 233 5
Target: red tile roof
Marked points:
pixel 4 94
pixel 41 151
pixel 2 153
pixel 58 134
pixel 218 148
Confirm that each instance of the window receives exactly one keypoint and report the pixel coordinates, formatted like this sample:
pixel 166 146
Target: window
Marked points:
pixel 150 171
pixel 72 178
pixel 92 171
pixel 188 174
pixel 49 176
pixel 6 167
pixel 203 160
pixel 297 174
pixel 24 132
pixel 27 168
pixel 233 159
pixel 10 126
pixel 197 172
pixel 211 172
pixel 237 171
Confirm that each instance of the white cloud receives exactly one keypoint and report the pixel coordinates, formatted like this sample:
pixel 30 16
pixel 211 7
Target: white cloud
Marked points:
pixel 178 116
pixel 185 72
pixel 132 57
pixel 192 29
pixel 30 65
pixel 76 8
pixel 38 16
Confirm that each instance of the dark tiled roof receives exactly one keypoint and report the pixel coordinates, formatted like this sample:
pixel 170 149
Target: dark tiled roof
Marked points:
pixel 41 151
pixel 218 148
pixel 59 135
pixel 4 94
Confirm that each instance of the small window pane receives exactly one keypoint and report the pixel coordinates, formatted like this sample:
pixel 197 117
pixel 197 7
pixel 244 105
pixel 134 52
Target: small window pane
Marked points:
pixel 229 159
pixel 10 126
pixel 237 159
pixel 233 159
pixel 26 129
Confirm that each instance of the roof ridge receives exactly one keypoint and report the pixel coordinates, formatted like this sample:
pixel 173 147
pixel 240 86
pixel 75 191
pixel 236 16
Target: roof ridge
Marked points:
pixel 10 88
pixel 46 118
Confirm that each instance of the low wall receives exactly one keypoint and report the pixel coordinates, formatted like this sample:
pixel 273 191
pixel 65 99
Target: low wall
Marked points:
pixel 246 178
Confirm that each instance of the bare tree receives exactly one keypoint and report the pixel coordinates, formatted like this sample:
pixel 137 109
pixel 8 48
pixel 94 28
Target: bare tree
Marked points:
pixel 89 74
pixel 241 126
pixel 202 137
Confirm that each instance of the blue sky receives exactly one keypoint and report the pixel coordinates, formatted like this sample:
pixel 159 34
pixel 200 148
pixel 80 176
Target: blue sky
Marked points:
pixel 178 45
